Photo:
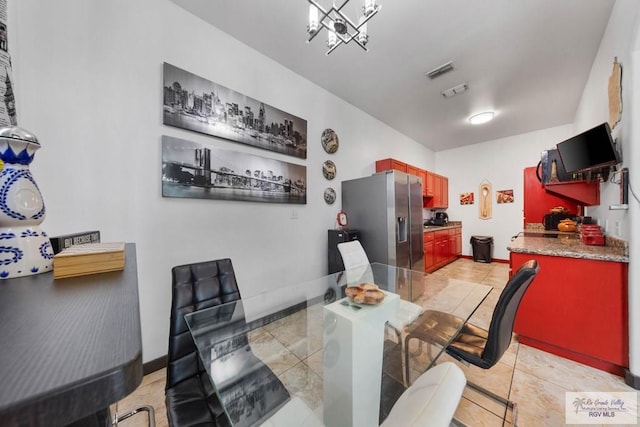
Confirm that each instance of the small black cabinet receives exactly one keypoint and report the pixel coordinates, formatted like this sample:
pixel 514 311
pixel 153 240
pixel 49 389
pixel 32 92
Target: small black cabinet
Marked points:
pixel 335 237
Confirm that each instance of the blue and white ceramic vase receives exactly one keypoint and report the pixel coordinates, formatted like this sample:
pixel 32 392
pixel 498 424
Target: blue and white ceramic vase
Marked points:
pixel 24 248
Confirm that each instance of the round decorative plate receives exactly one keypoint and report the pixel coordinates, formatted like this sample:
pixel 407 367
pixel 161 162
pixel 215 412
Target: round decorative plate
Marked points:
pixel 329 170
pixel 330 141
pixel 329 195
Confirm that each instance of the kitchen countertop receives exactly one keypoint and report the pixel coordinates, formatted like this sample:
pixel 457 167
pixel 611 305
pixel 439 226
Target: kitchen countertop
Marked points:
pixel 566 245
pixel 452 224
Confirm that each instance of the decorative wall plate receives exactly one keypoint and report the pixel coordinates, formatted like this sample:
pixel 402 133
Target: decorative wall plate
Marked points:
pixel 329 170
pixel 329 195
pixel 330 141
pixel 615 94
pixel 466 198
pixel 484 205
pixel 504 196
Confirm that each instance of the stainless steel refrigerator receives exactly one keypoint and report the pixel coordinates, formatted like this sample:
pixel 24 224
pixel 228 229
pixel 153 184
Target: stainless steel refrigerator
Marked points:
pixel 386 208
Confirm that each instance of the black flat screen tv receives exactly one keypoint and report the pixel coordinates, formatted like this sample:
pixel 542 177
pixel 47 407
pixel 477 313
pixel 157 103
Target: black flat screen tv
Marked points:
pixel 592 149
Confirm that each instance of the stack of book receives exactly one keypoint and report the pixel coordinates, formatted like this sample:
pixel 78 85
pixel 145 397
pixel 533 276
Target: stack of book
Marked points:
pixel 90 258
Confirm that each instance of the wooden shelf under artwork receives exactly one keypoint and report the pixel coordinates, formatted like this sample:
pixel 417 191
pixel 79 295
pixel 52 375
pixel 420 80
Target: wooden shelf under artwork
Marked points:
pixel 583 192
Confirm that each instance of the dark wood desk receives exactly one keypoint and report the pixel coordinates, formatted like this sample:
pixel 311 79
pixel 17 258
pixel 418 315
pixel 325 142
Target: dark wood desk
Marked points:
pixel 70 347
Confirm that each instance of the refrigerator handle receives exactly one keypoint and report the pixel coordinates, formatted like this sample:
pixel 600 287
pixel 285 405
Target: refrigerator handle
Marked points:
pixel 402 229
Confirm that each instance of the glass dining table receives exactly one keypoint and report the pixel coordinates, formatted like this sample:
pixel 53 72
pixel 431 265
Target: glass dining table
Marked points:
pixel 307 355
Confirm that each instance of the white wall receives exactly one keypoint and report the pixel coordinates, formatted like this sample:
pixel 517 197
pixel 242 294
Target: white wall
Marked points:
pixel 501 162
pixel 594 106
pixel 89 86
pixel 621 40
pixel 634 214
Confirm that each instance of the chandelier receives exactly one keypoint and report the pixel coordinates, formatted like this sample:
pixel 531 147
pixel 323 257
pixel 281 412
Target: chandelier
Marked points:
pixel 340 29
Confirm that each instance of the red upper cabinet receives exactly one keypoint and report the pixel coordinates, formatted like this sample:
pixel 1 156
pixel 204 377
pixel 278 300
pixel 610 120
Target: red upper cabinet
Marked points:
pixel 444 189
pixel 435 188
pixel 390 164
pixel 393 164
pixel 440 199
pixel 412 170
pixel 420 173
pixel 585 193
pixel 429 184
pixel 423 178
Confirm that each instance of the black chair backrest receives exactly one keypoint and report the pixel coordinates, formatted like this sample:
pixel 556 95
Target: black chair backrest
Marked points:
pixel 194 287
pixel 504 313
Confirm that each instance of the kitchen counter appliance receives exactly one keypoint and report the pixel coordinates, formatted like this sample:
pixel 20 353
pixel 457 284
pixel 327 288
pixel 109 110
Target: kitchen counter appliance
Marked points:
pixel 440 218
pixel 551 220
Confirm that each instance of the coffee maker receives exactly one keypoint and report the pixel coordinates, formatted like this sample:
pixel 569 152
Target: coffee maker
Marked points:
pixel 440 218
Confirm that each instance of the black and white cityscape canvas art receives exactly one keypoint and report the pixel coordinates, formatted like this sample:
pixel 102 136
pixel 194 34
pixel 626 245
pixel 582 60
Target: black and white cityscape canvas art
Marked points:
pixel 194 103
pixel 193 170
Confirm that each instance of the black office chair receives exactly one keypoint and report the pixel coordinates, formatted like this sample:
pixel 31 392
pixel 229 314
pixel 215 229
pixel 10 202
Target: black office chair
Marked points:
pixel 189 395
pixel 472 344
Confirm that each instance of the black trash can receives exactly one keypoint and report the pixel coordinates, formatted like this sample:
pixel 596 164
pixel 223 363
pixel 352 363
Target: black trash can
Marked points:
pixel 482 246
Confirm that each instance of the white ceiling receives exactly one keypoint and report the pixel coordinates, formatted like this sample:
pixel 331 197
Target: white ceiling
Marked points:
pixel 528 60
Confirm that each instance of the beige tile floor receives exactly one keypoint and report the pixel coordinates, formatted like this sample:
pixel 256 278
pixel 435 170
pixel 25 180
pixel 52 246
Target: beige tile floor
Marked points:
pixel 536 380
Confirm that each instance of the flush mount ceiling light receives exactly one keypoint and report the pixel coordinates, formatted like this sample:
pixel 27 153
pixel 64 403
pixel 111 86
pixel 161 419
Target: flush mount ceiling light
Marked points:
pixel 478 119
pixel 340 29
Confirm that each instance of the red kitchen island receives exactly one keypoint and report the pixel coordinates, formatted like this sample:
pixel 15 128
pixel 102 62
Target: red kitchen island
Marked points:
pixel 577 305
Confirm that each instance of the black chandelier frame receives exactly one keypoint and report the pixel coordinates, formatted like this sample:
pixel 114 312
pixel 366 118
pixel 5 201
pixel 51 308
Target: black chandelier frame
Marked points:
pixel 352 32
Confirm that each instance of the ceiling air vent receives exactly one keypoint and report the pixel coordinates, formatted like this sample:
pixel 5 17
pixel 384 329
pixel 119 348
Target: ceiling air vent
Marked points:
pixel 456 90
pixel 445 68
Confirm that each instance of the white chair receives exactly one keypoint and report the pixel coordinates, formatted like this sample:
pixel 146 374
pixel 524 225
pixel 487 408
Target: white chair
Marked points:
pixel 358 270
pixel 356 262
pixel 431 400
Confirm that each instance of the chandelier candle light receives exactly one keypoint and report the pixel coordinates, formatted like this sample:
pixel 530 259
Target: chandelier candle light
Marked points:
pixel 340 29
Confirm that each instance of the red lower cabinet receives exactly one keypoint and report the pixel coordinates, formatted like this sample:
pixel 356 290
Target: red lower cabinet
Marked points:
pixel 441 247
pixel 577 309
pixel 429 252
pixel 455 242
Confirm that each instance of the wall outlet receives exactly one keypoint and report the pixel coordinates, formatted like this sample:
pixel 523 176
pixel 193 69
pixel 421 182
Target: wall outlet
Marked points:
pixel 294 214
pixel 618 228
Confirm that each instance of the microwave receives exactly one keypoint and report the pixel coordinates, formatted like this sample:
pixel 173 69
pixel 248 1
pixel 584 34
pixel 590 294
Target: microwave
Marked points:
pixel 545 168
